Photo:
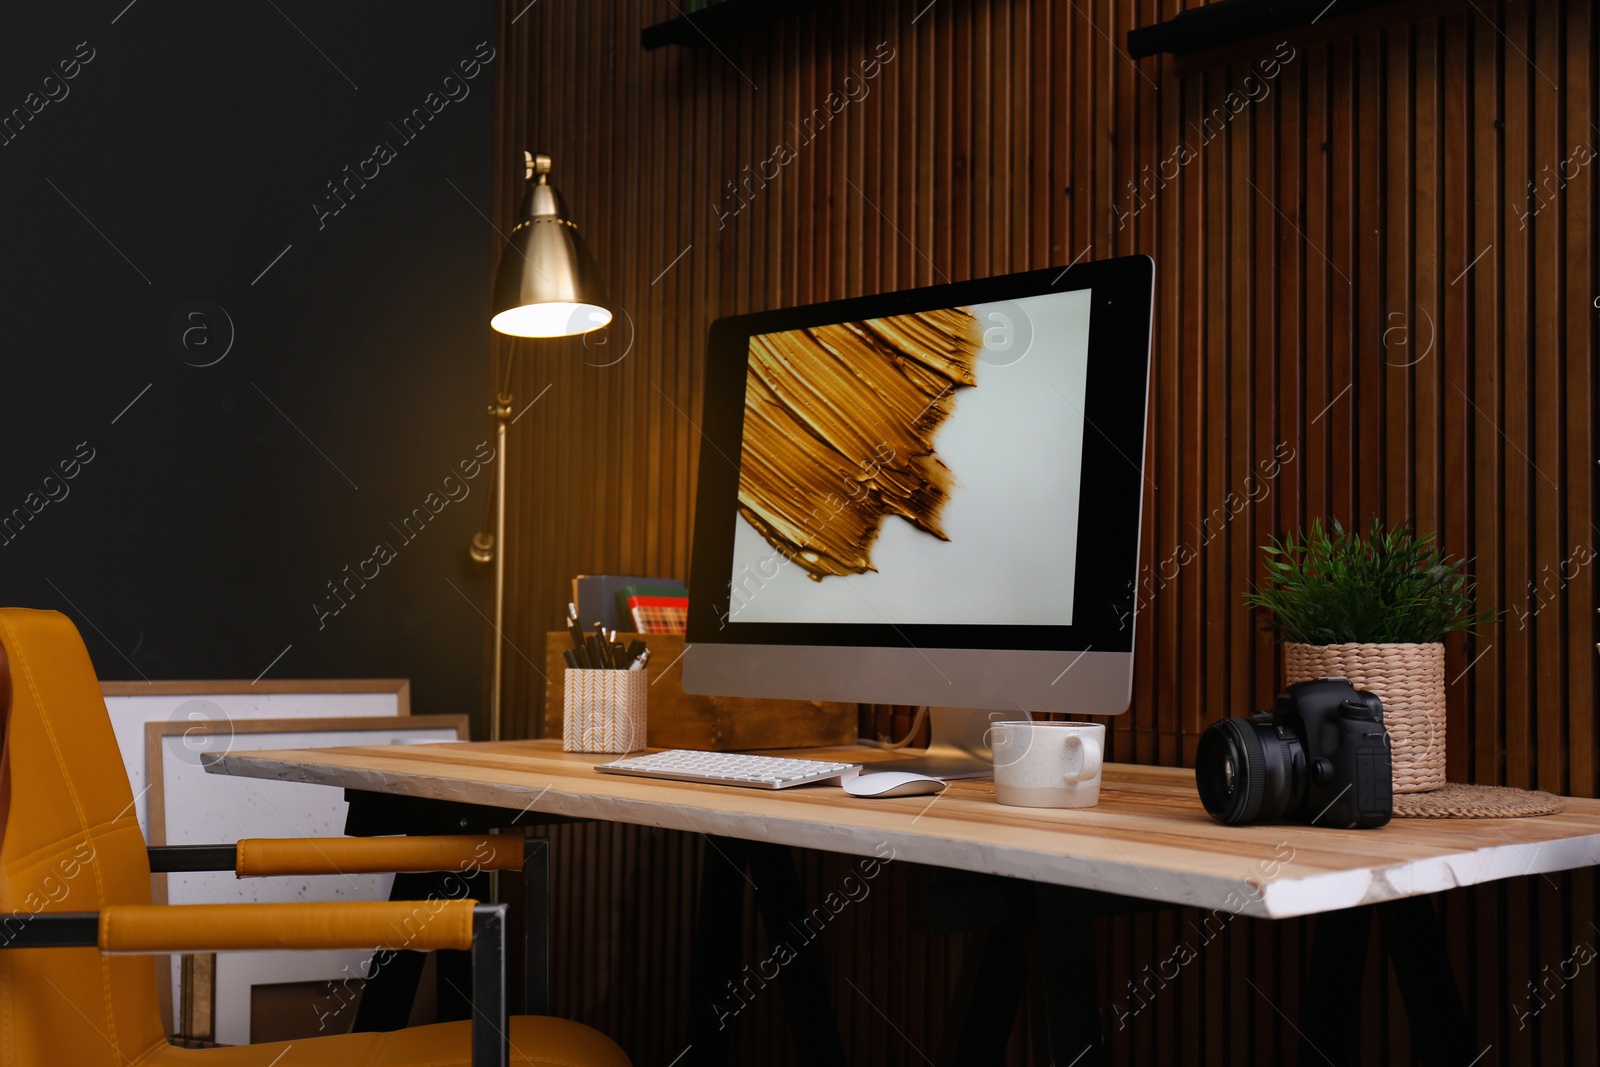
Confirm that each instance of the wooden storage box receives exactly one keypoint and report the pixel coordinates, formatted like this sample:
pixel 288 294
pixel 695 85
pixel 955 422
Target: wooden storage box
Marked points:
pixel 675 719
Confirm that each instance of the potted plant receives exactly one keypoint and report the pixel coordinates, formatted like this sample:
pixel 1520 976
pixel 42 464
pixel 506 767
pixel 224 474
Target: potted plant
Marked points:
pixel 1375 610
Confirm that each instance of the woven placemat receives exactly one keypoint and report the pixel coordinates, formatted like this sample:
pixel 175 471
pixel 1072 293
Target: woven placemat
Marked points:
pixel 1453 800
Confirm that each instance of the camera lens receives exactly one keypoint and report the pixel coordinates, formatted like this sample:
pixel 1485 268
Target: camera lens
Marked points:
pixel 1248 771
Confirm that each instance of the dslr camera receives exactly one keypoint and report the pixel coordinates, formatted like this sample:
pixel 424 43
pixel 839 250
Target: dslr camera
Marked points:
pixel 1320 756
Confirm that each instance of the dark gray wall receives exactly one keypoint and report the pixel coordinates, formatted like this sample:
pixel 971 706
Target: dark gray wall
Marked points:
pixel 186 160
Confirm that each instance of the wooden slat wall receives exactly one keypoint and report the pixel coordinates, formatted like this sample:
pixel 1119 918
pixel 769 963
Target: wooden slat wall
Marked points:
pixel 1357 289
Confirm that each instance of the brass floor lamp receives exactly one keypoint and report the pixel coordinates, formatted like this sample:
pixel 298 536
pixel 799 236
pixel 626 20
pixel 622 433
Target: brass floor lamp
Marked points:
pixel 547 285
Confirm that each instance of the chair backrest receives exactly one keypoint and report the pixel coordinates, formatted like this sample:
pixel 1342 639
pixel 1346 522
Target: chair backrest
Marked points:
pixel 69 841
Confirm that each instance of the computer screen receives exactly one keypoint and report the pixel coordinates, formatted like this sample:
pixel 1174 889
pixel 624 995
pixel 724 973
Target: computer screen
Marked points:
pixel 890 469
pixel 929 496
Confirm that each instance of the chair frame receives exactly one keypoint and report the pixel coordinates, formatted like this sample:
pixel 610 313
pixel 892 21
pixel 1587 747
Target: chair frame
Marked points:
pixel 185 859
pixel 491 1037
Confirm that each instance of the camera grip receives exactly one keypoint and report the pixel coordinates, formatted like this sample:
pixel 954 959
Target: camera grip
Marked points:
pixel 1083 759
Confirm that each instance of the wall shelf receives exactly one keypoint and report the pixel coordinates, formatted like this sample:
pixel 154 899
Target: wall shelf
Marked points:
pixel 1227 21
pixel 730 16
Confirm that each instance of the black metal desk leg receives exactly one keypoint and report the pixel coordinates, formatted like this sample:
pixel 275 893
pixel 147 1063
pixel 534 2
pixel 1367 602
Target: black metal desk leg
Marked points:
pixel 536 925
pixel 720 989
pixel 1328 1025
pixel 392 977
pixel 718 934
pixel 987 1003
pixel 454 967
pixel 1440 1031
pixel 805 994
pixel 1071 980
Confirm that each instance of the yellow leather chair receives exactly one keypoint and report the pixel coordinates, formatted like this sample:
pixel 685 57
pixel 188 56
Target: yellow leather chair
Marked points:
pixel 75 904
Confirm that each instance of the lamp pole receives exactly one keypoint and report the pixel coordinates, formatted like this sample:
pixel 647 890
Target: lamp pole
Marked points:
pixel 487 546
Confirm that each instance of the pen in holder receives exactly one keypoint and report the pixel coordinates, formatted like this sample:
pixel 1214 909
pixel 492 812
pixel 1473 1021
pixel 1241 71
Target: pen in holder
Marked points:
pixel 604 710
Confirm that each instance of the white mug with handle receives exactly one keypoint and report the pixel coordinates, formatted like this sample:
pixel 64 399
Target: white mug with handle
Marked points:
pixel 1047 764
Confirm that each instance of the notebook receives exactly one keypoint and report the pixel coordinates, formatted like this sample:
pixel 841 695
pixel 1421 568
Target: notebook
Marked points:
pixel 627 592
pixel 659 614
pixel 596 597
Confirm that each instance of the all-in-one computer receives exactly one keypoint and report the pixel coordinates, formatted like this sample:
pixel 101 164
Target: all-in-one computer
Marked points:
pixel 928 497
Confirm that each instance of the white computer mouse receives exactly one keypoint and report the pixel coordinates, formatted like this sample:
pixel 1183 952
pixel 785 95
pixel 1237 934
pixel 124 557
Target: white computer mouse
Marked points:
pixel 893 784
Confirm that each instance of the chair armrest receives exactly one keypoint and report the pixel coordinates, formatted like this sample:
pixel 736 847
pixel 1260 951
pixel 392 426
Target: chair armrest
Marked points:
pixel 261 857
pixel 264 856
pixel 390 924
pixel 423 925
pixel 397 924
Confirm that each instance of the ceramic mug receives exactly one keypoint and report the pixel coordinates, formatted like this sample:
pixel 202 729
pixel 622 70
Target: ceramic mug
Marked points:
pixel 1047 764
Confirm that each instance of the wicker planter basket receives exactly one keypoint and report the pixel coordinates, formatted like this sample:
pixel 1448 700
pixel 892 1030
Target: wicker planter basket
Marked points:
pixel 1409 679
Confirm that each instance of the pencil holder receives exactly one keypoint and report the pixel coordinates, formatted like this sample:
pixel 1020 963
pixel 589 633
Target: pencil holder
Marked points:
pixel 604 710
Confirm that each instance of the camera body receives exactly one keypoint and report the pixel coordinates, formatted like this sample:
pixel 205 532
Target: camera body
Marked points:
pixel 1319 756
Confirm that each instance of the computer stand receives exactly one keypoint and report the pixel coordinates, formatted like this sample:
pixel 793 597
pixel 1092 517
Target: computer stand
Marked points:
pixel 958 743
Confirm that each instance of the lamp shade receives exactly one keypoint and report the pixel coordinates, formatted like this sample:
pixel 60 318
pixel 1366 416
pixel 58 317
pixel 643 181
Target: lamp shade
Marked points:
pixel 548 284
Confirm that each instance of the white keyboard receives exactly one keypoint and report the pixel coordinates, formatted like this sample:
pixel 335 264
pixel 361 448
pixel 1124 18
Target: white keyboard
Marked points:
pixel 731 768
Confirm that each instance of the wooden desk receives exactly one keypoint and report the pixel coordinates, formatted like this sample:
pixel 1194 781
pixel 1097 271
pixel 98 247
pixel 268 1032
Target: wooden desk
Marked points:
pixel 1148 838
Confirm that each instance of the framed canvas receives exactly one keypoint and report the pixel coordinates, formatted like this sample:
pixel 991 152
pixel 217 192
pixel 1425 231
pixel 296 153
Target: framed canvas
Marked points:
pixel 131 705
pixel 186 805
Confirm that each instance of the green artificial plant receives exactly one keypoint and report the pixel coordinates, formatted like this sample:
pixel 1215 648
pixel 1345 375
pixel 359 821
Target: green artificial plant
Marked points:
pixel 1387 587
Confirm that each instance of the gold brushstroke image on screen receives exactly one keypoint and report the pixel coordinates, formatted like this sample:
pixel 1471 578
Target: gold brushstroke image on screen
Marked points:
pixel 915 469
